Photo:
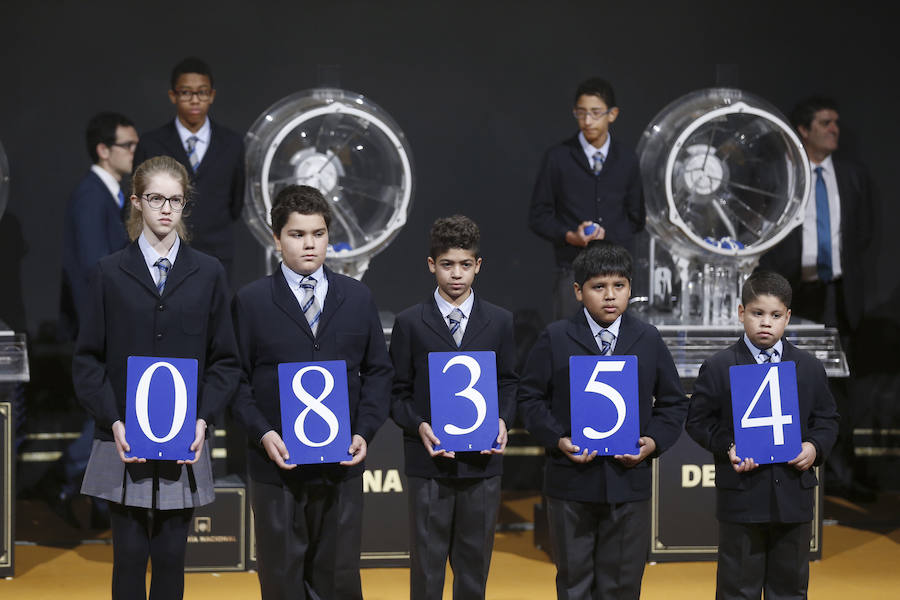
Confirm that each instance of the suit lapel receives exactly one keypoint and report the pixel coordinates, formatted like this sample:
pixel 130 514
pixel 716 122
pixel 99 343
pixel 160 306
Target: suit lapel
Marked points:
pixel 133 263
pixel 185 264
pixel 433 318
pixel 333 299
pixel 742 354
pixel 629 333
pixel 284 299
pixel 579 330
pixel 477 322
pixel 578 154
pixel 175 147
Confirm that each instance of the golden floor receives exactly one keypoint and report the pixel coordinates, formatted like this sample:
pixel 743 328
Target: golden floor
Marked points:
pixel 857 564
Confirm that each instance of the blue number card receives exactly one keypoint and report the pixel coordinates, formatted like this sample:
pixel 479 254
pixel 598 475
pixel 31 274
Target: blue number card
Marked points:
pixel 463 389
pixel 604 404
pixel 766 412
pixel 161 407
pixel 315 411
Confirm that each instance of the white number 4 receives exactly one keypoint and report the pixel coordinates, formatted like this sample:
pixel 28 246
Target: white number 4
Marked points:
pixel 778 420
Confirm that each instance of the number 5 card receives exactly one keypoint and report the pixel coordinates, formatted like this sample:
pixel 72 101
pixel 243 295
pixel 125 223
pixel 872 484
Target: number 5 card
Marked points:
pixel 766 412
pixel 603 392
pixel 463 388
pixel 315 411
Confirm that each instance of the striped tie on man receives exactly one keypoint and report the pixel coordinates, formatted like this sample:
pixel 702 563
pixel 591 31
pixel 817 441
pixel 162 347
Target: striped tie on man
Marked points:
pixel 311 309
pixel 163 264
pixel 455 317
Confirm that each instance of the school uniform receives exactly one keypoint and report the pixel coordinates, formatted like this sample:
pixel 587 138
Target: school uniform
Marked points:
pixel 125 315
pixel 764 514
pixel 308 520
pixel 599 511
pixel 453 503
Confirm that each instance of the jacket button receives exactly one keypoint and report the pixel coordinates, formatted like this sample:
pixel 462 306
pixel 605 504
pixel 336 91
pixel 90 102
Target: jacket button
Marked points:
pixel 159 336
pixel 161 307
pixel 316 347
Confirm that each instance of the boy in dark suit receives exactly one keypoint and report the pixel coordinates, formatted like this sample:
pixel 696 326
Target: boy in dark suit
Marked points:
pixel 453 497
pixel 764 511
pixel 212 154
pixel 308 519
pixel 598 506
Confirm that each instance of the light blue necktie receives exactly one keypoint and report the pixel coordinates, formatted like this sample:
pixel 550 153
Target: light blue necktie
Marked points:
pixel 311 309
pixel 598 162
pixel 192 152
pixel 606 341
pixel 823 230
pixel 455 317
pixel 163 265
pixel 121 197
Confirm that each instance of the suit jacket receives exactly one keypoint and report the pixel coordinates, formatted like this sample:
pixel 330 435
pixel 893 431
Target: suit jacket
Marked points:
pixel 769 493
pixel 567 192
pixel 272 329
pixel 857 226
pixel 218 184
pixel 125 316
pixel 421 329
pixel 545 407
pixel 93 229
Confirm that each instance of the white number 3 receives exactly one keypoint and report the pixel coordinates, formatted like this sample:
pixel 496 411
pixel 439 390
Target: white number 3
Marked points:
pixel 468 392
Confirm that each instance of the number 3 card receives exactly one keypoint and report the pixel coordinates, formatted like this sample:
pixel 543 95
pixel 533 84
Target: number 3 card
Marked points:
pixel 161 407
pixel 766 412
pixel 603 393
pixel 463 387
pixel 315 411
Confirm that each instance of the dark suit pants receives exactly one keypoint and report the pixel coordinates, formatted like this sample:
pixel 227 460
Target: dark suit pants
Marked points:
pixel 452 518
pixel 600 549
pixel 757 557
pixel 308 539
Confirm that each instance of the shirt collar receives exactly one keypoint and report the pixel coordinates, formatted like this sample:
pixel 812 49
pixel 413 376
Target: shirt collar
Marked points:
pixel 827 165
pixel 108 180
pixel 150 253
pixel 202 134
pixel 590 150
pixel 294 279
pixel 596 328
pixel 445 308
pixel 778 347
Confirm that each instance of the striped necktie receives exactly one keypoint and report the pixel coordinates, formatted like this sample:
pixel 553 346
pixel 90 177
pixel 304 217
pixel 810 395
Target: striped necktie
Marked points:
pixel 163 264
pixel 598 162
pixel 766 356
pixel 607 338
pixel 311 309
pixel 192 152
pixel 455 317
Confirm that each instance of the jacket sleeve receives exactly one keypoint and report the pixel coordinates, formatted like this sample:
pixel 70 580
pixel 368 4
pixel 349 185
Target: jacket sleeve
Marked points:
pixel 375 375
pixel 707 423
pixel 542 217
pixel 244 406
pixel 536 393
pixel 403 410
pixel 508 379
pixel 671 405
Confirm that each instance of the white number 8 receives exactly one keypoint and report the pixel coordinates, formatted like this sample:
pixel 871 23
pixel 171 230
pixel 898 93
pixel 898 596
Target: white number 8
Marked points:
pixel 468 392
pixel 142 402
pixel 315 405
pixel 607 391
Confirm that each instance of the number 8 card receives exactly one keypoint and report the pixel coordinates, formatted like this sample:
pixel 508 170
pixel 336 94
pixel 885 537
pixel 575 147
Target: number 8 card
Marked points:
pixel 603 392
pixel 766 412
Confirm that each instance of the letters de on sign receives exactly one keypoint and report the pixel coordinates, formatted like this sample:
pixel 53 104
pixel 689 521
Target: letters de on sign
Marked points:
pixel 161 407
pixel 463 392
pixel 315 411
pixel 604 403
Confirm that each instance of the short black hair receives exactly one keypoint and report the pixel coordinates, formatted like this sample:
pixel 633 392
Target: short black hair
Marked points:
pixel 101 129
pixel 301 199
pixel 601 257
pixel 766 283
pixel 805 111
pixel 458 231
pixel 596 86
pixel 191 64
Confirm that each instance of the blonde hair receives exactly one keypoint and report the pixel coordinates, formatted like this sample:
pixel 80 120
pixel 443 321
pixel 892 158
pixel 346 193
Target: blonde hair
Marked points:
pixel 165 165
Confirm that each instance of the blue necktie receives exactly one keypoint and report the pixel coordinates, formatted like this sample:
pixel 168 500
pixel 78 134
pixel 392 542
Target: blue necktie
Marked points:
pixel 765 356
pixel 598 162
pixel 308 304
pixel 606 339
pixel 823 230
pixel 455 317
pixel 121 197
pixel 192 152
pixel 163 265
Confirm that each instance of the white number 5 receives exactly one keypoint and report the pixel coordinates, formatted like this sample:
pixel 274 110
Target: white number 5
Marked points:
pixel 607 391
pixel 778 420
pixel 468 392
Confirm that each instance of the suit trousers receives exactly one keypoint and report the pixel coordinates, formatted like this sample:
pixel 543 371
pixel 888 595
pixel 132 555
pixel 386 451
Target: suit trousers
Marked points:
pixel 453 518
pixel 308 538
pixel 600 549
pixel 763 557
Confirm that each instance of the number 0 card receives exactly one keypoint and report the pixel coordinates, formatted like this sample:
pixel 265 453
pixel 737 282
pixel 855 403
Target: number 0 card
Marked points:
pixel 766 412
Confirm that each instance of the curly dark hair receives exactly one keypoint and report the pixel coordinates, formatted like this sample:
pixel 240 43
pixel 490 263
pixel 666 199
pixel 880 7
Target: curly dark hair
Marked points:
pixel 458 231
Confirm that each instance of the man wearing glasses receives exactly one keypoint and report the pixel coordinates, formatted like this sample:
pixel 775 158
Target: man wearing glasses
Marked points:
pixel 589 187
pixel 212 154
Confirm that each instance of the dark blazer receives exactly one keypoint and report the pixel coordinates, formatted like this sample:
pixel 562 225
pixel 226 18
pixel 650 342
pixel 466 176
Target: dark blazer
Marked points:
pixel 93 229
pixel 271 329
pixel 567 192
pixel 125 316
pixel 769 493
pixel 545 407
pixel 857 229
pixel 421 329
pixel 218 184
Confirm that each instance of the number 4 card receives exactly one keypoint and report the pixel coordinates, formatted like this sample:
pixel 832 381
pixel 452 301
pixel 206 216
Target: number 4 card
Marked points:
pixel 603 392
pixel 766 412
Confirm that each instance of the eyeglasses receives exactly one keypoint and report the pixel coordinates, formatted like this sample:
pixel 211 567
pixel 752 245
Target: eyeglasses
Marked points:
pixel 156 201
pixel 186 95
pixel 581 114
pixel 130 146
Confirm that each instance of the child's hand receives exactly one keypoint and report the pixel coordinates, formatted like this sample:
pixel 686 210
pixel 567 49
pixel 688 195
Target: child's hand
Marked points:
pixel 647 447
pixel 276 450
pixel 502 439
pixel 572 451
pixel 429 440
pixel 118 429
pixel 806 458
pixel 197 446
pixel 740 466
pixel 357 450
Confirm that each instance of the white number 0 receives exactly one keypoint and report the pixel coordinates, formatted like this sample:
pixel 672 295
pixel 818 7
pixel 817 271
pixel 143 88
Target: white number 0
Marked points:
pixel 142 402
pixel 778 420
pixel 469 392
pixel 607 391
pixel 315 405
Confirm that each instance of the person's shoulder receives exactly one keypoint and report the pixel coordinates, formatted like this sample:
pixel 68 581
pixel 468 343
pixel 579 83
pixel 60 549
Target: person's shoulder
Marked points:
pixel 113 260
pixel 158 133
pixel 223 131
pixel 255 289
pixel 564 146
pixel 89 187
pixel 623 150
pixel 494 310
pixel 204 261
pixel 411 313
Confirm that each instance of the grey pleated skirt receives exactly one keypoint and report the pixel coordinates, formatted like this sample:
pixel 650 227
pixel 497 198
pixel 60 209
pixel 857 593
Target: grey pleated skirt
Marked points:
pixel 160 484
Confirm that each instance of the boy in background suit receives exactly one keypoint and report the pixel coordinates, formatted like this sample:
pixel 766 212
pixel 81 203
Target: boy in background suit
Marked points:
pixel 308 519
pixel 453 497
pixel 764 511
pixel 598 506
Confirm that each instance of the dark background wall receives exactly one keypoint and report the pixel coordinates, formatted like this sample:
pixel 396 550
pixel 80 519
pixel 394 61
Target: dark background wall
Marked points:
pixel 480 89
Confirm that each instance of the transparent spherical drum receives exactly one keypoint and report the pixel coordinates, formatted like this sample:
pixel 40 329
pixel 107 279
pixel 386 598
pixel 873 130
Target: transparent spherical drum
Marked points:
pixel 351 150
pixel 724 175
pixel 4 180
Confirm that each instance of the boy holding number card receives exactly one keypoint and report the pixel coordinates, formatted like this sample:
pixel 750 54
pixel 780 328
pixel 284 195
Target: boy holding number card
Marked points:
pixel 309 517
pixel 764 511
pixel 598 506
pixel 453 496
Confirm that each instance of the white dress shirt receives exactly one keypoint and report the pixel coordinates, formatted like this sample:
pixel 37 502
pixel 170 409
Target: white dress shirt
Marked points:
pixel 596 328
pixel 202 135
pixel 295 279
pixel 151 255
pixel 810 252
pixel 777 351
pixel 590 150
pixel 109 181
pixel 445 308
